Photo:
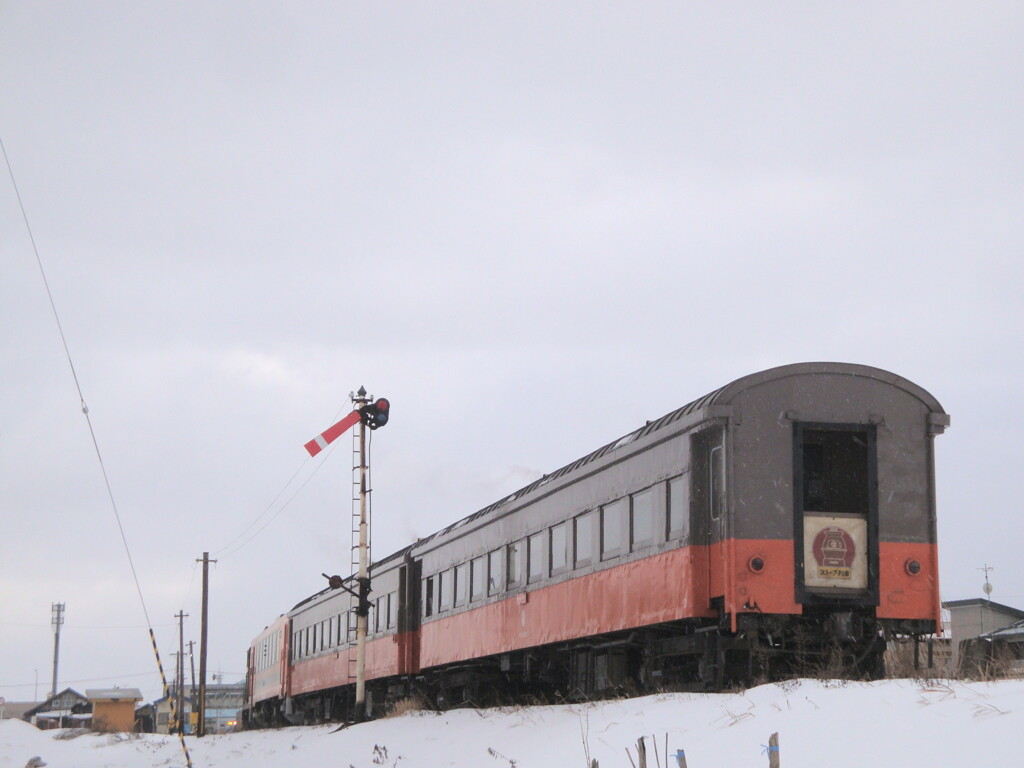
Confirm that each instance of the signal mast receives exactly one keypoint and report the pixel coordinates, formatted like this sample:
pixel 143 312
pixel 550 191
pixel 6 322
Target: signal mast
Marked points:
pixel 373 414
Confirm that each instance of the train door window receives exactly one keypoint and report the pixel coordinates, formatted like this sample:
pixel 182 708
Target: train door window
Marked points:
pixel 392 609
pixel 835 471
pixel 514 563
pixel 583 540
pixel 678 508
pixel 558 546
pixel 444 588
pixel 494 581
pixel 476 578
pixel 641 520
pixel 716 482
pixel 612 517
pixel 535 558
pixel 461 583
pixel 428 597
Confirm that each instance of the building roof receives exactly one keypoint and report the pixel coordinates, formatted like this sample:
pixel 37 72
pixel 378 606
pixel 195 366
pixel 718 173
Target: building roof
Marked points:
pixel 1012 633
pixel 113 694
pixel 50 699
pixel 978 602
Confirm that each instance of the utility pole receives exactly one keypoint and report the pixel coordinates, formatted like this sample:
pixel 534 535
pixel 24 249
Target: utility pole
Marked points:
pixel 173 728
pixel 201 725
pixel 57 619
pixel 192 662
pixel 180 616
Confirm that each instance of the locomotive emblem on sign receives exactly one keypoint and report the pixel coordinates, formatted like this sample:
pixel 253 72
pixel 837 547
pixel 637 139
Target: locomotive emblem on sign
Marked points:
pixel 834 552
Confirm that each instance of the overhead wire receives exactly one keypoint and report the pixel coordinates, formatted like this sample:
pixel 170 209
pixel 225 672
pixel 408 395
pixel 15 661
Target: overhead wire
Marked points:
pixel 92 433
pixel 229 549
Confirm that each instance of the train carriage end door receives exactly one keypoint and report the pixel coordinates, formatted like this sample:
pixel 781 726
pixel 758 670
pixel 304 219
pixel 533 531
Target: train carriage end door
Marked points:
pixel 835 513
pixel 409 579
pixel 708 503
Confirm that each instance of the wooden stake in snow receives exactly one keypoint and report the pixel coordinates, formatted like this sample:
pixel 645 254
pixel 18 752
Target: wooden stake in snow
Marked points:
pixel 641 752
pixel 773 751
pixel 681 758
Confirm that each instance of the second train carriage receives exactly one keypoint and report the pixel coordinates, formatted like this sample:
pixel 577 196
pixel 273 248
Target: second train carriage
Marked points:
pixel 785 519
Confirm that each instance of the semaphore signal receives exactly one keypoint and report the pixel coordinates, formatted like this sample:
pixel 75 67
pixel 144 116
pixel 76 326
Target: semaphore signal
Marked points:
pixel 371 414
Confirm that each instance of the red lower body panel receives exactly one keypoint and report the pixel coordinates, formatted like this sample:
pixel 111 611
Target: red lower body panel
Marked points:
pixel 665 587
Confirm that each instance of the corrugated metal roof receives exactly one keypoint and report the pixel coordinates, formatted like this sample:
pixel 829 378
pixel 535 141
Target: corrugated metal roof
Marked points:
pixel 1014 632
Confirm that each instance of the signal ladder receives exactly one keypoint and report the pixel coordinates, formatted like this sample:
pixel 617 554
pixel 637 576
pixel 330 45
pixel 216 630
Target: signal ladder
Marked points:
pixel 353 601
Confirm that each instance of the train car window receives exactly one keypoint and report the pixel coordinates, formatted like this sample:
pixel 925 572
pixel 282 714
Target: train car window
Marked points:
pixel 559 542
pixel 316 638
pixel 376 615
pixel 641 520
pixel 717 481
pixel 514 563
pixel 392 609
pixel 444 587
pixel 583 540
pixel 535 558
pixel 428 597
pixel 476 578
pixel 494 581
pixel 678 507
pixel 835 471
pixel 461 583
pixel 612 517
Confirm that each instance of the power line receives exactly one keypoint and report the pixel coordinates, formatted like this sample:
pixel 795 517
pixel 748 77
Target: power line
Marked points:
pixel 92 431
pixel 229 549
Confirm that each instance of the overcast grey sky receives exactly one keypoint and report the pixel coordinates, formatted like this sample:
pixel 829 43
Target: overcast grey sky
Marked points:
pixel 531 225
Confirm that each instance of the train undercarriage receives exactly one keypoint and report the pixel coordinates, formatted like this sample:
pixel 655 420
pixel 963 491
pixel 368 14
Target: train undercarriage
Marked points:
pixel 693 655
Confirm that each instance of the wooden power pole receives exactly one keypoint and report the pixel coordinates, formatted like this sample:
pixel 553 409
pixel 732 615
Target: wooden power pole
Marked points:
pixel 201 725
pixel 181 616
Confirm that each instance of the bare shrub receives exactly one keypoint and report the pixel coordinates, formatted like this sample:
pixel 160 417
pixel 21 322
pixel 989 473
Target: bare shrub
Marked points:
pixel 401 707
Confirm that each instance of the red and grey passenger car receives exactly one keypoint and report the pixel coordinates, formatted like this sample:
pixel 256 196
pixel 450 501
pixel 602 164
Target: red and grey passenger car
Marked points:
pixel 784 520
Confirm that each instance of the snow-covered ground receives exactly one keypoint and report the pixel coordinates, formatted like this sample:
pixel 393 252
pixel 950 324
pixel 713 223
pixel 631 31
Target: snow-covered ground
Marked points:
pixel 821 724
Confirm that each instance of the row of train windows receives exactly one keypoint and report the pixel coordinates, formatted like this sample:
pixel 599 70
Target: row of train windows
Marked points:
pixel 267 651
pixel 626 525
pixel 328 633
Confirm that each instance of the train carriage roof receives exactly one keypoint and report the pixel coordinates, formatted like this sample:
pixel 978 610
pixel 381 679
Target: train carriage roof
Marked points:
pixel 721 396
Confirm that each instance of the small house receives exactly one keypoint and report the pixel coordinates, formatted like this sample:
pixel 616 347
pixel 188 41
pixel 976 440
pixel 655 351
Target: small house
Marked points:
pixel 113 709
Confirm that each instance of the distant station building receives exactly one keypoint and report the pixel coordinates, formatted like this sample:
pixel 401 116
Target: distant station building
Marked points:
pixel 990 623
pixel 223 701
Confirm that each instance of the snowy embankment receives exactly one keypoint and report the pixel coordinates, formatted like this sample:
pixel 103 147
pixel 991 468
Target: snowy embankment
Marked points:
pixel 838 724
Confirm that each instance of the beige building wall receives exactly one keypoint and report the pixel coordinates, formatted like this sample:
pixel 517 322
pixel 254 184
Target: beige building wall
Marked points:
pixel 114 716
